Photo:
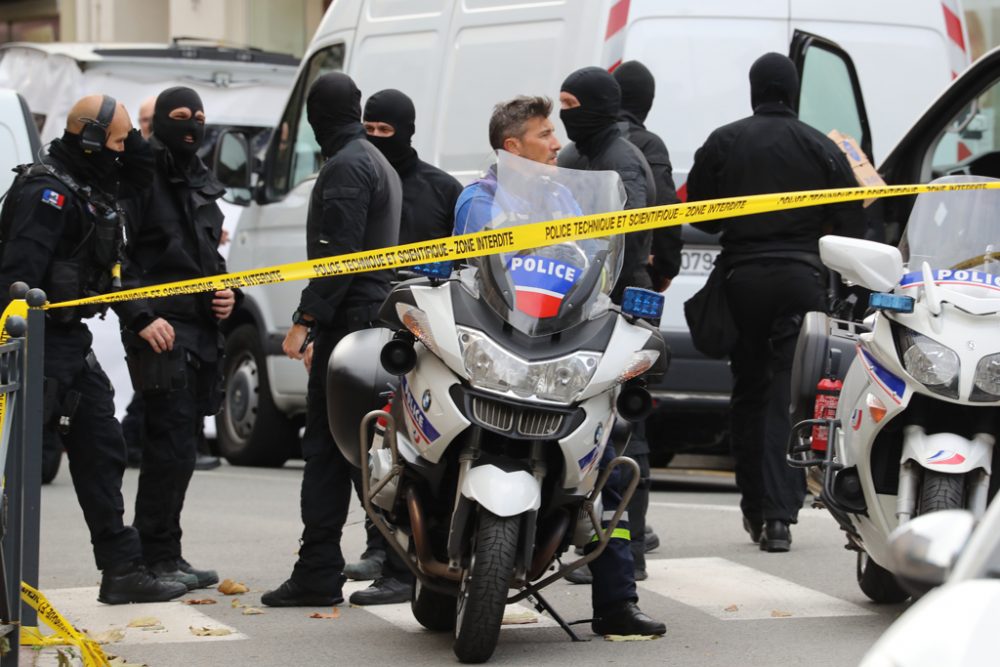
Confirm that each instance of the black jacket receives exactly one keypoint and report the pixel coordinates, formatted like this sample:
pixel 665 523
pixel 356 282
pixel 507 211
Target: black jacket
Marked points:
pixel 666 242
pixel 612 152
pixel 773 151
pixel 355 205
pixel 49 242
pixel 173 232
pixel 429 196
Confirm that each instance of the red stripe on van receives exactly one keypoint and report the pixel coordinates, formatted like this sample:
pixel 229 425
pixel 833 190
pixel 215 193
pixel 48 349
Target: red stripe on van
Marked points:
pixel 617 17
pixel 953 25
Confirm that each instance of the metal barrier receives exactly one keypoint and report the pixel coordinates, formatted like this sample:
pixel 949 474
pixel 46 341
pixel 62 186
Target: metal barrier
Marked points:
pixel 21 396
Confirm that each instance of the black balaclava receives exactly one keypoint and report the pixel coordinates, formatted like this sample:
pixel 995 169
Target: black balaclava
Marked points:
pixel 395 108
pixel 600 103
pixel 172 132
pixel 773 78
pixel 100 169
pixel 333 107
pixel 638 88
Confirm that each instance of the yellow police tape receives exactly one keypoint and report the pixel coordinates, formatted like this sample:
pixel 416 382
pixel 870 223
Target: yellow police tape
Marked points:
pixel 90 651
pixel 523 237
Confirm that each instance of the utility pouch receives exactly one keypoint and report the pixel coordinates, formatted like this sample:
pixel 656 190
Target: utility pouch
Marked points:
pixel 157 372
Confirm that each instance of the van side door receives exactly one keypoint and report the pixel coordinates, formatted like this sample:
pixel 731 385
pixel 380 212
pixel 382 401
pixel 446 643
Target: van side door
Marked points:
pixel 829 88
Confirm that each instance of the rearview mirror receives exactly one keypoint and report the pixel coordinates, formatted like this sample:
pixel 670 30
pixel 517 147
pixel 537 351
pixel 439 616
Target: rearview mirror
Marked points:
pixel 232 166
pixel 875 266
pixel 924 550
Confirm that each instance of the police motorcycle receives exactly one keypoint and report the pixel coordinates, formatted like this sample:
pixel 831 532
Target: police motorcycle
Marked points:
pixel 506 381
pixel 914 426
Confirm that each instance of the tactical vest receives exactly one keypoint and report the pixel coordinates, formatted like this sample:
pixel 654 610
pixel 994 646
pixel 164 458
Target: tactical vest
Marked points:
pixel 93 266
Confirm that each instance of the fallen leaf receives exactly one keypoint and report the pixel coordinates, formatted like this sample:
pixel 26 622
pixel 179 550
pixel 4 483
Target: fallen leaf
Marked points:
pixel 115 661
pixel 334 614
pixel 230 587
pixel 209 632
pixel 143 622
pixel 63 659
pixel 108 636
pixel 630 638
pixel 202 601
pixel 732 607
pixel 252 611
pixel 236 604
pixel 780 614
pixel 519 618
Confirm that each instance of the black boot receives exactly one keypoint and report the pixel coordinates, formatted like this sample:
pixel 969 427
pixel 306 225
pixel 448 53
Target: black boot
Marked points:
pixel 650 540
pixel 366 569
pixel 205 578
pixel 754 527
pixel 290 594
pixel 383 591
pixel 133 582
pixel 580 575
pixel 206 462
pixel 625 618
pixel 168 570
pixel 777 536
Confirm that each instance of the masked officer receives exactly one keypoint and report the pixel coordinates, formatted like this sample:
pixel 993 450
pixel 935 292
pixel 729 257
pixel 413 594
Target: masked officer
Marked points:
pixel 173 345
pixel 355 206
pixel 522 127
pixel 773 277
pixel 61 231
pixel 429 196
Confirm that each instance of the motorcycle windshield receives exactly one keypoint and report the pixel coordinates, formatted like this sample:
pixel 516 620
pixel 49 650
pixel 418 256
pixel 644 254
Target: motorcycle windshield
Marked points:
pixel 550 288
pixel 956 232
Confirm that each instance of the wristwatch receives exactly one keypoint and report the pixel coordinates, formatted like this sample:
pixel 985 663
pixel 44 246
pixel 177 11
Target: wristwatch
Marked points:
pixel 298 317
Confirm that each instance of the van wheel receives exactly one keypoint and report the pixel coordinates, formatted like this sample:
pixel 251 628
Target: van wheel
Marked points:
pixel 435 611
pixel 878 583
pixel 251 430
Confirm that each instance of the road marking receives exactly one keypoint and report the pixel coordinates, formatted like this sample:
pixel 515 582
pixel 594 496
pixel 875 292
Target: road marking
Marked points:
pixel 401 616
pixel 733 592
pixel 81 608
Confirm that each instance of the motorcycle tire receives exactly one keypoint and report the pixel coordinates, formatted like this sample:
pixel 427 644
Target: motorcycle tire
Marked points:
pixel 483 595
pixel 878 583
pixel 435 611
pixel 940 491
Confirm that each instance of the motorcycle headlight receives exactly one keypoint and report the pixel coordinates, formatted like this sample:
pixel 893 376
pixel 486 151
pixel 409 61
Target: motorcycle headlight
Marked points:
pixel 987 380
pixel 491 367
pixel 932 364
pixel 416 321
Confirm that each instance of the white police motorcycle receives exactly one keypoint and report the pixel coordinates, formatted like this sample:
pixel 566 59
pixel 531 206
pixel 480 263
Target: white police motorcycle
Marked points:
pixel 917 416
pixel 500 385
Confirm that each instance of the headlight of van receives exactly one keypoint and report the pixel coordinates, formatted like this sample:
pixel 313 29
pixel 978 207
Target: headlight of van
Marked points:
pixel 493 368
pixel 987 380
pixel 934 365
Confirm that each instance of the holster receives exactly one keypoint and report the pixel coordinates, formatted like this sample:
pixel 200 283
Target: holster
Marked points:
pixel 157 372
pixel 60 402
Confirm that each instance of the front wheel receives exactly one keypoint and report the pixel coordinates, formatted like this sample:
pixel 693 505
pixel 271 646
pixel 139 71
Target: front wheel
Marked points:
pixel 251 429
pixel 483 595
pixel 940 491
pixel 878 583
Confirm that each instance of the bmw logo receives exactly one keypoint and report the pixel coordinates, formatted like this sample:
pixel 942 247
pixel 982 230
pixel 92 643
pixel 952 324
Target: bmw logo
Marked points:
pixel 598 433
pixel 425 400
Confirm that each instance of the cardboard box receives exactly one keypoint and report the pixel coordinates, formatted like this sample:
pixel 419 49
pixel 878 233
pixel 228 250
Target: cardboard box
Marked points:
pixel 864 172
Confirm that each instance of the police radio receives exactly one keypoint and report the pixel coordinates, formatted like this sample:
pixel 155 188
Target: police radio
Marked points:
pixel 95 130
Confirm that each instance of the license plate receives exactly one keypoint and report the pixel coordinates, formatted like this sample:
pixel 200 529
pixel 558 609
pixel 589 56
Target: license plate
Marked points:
pixel 698 261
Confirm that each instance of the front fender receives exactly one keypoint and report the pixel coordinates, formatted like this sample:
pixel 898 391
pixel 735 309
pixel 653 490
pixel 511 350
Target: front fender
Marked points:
pixel 947 452
pixel 500 492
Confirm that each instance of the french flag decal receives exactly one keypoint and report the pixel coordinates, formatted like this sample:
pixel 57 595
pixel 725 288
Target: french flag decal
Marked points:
pixel 946 458
pixel 541 284
pixel 53 198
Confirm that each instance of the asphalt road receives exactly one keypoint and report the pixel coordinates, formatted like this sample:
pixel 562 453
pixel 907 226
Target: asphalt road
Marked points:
pixel 724 601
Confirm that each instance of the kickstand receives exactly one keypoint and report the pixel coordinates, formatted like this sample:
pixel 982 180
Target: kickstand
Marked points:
pixel 541 604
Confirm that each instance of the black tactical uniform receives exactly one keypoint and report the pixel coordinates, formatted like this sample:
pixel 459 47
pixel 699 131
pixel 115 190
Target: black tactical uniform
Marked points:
pixel 429 196
pixel 61 232
pixel 599 145
pixel 173 234
pixel 773 276
pixel 355 206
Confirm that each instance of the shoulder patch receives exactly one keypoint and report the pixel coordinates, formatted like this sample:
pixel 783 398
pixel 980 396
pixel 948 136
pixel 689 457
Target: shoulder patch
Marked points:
pixel 53 198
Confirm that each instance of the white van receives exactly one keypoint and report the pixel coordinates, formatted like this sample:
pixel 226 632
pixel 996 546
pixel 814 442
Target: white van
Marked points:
pixel 457 59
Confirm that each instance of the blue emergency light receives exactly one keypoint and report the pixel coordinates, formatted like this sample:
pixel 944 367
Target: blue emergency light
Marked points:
pixel 638 302
pixel 433 270
pixel 892 302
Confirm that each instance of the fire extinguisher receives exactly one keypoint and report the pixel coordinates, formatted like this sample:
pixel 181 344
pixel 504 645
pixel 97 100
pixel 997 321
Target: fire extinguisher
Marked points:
pixel 827 396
